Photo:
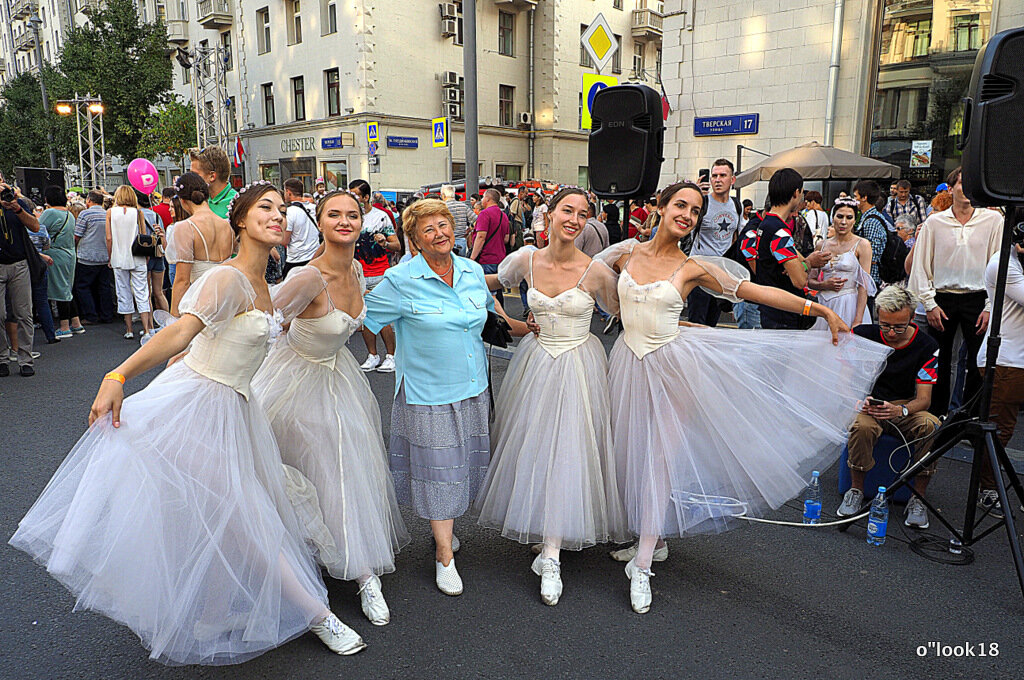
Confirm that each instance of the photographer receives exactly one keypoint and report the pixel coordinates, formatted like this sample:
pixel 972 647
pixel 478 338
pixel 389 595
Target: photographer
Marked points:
pixel 16 220
pixel 1008 381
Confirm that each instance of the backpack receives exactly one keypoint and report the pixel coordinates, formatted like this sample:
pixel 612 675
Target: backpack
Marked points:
pixel 891 265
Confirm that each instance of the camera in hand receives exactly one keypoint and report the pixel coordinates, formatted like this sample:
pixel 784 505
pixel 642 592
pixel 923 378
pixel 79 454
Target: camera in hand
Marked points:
pixel 7 195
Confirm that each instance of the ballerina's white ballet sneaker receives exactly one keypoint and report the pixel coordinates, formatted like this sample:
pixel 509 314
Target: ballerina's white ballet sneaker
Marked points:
pixel 372 600
pixel 639 587
pixel 338 637
pixel 626 554
pixel 550 573
pixel 447 578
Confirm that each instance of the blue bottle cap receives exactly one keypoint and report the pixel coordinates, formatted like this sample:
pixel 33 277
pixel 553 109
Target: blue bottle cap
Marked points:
pixel 814 474
pixel 881 489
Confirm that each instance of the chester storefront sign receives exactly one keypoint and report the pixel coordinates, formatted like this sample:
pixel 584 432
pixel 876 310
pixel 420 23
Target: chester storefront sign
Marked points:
pixel 298 144
pixel 740 124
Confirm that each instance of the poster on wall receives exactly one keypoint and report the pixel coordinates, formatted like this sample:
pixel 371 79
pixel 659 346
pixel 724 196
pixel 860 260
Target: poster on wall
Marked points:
pixel 921 154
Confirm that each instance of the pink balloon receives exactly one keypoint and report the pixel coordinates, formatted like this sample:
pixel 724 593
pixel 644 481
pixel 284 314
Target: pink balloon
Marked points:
pixel 142 175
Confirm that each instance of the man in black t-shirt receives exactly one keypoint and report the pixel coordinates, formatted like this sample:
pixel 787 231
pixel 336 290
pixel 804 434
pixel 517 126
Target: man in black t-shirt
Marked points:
pixel 15 277
pixel 901 397
pixel 611 222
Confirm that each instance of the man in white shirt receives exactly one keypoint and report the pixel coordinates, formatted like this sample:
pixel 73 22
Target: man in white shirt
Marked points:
pixel 301 235
pixel 948 275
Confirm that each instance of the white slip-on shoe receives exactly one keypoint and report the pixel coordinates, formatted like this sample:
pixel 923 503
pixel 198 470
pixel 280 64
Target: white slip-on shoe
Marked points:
pixel 338 637
pixel 639 587
pixel 372 601
pixel 550 572
pixel 447 578
pixel 371 363
pixel 626 554
pixel 388 365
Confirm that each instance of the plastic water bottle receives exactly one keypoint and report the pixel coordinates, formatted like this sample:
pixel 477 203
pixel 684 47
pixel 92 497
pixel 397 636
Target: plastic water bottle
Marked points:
pixel 812 500
pixel 878 518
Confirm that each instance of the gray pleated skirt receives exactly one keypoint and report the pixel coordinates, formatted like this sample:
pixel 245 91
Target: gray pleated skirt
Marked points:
pixel 439 454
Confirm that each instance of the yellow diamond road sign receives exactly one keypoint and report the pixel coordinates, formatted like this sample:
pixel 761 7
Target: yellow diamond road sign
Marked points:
pixel 599 42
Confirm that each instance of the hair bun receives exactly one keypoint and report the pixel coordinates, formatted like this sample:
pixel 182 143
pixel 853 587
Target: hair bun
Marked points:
pixel 198 197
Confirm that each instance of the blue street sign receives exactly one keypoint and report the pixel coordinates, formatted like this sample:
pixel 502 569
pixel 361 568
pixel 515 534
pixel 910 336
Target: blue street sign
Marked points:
pixel 372 148
pixel 331 143
pixel 399 142
pixel 740 124
pixel 440 127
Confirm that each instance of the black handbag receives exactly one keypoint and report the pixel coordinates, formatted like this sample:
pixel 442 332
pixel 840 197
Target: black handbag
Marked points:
pixel 144 245
pixel 496 331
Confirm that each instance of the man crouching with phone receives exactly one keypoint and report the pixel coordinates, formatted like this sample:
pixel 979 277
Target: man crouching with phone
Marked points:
pixel 899 400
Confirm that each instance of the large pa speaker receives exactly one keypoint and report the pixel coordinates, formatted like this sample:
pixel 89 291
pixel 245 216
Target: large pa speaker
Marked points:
pixel 32 182
pixel 627 139
pixel 993 127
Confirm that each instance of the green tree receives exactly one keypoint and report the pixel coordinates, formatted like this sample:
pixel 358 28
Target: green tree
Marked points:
pixel 123 60
pixel 23 127
pixel 170 131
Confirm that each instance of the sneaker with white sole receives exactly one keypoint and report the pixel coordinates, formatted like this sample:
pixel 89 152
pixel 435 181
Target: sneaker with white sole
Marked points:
pixel 626 554
pixel 372 601
pixel 338 637
pixel 853 499
pixel 447 578
pixel 917 514
pixel 639 587
pixel 129 336
pixel 988 499
pixel 388 365
pixel 371 363
pixel 550 572
pixel 61 335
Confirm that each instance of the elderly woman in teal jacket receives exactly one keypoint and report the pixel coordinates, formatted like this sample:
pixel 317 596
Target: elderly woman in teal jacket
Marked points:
pixel 440 444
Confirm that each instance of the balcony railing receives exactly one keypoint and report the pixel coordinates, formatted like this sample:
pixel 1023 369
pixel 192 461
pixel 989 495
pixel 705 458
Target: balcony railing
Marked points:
pixel 647 25
pixel 90 6
pixel 215 13
pixel 24 41
pixel 21 9
pixel 517 4
pixel 177 31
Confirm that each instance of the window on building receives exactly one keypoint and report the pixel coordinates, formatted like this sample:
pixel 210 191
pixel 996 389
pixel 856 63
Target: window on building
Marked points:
pixel 293 10
pixel 204 45
pixel 268 104
pixel 966 32
pixel 328 17
pixel 299 98
pixel 232 115
pixel 506 112
pixel 900 108
pixel 617 55
pixel 186 75
pixel 921 34
pixel 333 92
pixel 335 174
pixel 458 23
pixel 161 11
pixel 638 60
pixel 225 43
pixel 579 118
pixel 657 64
pixel 458 171
pixel 617 4
pixel 263 30
pixel 585 59
pixel 509 173
pixel 583 176
pixel 506 33
pixel 271 172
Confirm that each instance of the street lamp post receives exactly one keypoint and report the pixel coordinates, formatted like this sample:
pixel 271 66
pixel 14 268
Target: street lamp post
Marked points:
pixel 35 22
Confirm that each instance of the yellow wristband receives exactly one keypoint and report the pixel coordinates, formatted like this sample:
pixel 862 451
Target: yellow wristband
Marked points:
pixel 807 308
pixel 114 376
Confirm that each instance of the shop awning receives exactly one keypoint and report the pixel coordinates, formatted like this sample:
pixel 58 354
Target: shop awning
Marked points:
pixel 815 161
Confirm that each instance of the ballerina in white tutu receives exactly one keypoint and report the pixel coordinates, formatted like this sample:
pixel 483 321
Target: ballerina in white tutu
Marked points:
pixel 552 474
pixel 170 513
pixel 845 283
pixel 709 424
pixel 326 418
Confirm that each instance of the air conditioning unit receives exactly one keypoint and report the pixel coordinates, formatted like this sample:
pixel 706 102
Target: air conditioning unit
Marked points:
pixel 454 110
pixel 448 10
pixel 448 28
pixel 451 95
pixel 525 119
pixel 450 79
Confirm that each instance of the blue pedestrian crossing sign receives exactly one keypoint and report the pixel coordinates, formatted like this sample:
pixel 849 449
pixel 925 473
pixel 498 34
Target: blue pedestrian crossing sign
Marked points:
pixel 371 132
pixel 440 128
pixel 592 84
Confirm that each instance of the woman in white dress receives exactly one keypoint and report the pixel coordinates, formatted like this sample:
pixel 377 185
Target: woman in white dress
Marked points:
pixel 552 476
pixel 124 223
pixel 709 424
pixel 845 283
pixel 326 418
pixel 170 513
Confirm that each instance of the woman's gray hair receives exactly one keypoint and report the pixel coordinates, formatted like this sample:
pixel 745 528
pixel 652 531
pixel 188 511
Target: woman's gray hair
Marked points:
pixel 447 192
pixel 905 223
pixel 895 299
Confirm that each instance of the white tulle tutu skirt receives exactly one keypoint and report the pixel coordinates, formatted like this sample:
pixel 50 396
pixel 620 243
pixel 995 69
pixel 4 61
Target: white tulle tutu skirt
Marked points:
pixel 720 423
pixel 552 474
pixel 177 525
pixel 327 424
pixel 845 306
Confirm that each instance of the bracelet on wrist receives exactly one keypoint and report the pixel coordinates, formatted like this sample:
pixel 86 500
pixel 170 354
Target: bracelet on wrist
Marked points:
pixel 807 308
pixel 113 375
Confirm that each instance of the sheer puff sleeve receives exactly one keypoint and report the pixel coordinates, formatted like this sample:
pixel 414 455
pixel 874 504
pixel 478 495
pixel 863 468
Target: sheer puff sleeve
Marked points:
pixel 614 252
pixel 727 273
pixel 516 267
pixel 180 238
pixel 601 283
pixel 293 295
pixel 217 297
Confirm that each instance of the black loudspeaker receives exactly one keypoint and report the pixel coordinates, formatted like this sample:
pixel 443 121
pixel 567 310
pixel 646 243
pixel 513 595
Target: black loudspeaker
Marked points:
pixel 627 139
pixel 32 182
pixel 993 127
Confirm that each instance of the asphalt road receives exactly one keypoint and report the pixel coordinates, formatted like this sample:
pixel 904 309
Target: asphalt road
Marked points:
pixel 761 601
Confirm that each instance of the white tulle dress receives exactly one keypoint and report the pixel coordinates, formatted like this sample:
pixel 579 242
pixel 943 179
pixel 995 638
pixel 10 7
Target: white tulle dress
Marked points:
pixel 181 248
pixel 327 424
pixel 177 524
pixel 552 474
pixel 712 423
pixel 844 301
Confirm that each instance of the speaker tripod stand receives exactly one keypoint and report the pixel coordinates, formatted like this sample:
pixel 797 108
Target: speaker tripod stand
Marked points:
pixel 980 432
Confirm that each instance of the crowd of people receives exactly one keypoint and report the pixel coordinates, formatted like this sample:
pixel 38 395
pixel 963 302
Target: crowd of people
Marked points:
pixel 272 461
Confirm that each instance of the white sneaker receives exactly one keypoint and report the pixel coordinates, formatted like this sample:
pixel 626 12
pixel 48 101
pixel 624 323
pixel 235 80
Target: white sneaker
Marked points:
pixel 129 335
pixel 338 637
pixel 372 600
pixel 550 573
pixel 447 578
pixel 626 554
pixel 388 365
pixel 853 499
pixel 372 362
pixel 639 587
pixel 12 356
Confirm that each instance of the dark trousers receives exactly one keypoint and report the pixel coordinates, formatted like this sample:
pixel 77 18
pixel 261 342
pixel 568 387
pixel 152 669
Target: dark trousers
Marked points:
pixel 493 269
pixel 962 310
pixel 703 308
pixel 1007 400
pixel 94 290
pixel 41 306
pixel 288 266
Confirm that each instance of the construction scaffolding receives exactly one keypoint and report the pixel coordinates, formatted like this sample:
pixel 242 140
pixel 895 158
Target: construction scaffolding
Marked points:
pixel 213 107
pixel 92 147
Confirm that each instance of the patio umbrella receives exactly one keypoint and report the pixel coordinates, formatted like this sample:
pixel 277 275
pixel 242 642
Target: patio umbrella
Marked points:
pixel 815 161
